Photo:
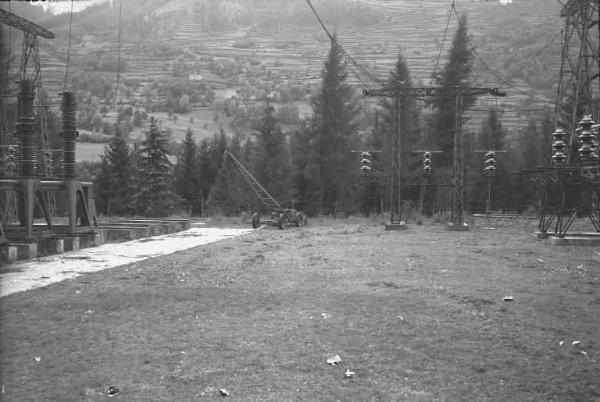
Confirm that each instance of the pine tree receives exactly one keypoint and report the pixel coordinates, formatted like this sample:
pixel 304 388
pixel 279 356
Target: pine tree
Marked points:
pixel 271 160
pixel 330 171
pixel 456 73
pixel 187 175
pixel 115 183
pixel 383 132
pixel 154 196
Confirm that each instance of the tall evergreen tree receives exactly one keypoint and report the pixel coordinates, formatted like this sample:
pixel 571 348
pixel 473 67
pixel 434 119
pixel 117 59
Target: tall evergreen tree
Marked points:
pixel 154 196
pixel 330 172
pixel 383 132
pixel 187 175
pixel 271 160
pixel 455 74
pixel 115 182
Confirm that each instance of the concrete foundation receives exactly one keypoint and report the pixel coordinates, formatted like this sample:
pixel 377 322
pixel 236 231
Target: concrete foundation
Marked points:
pixel 50 247
pixel 458 228
pixel 574 241
pixel 111 232
pixel 26 251
pixel 395 226
pixel 8 254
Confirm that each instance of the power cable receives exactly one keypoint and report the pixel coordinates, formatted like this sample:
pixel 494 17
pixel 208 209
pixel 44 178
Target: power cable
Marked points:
pixel 68 48
pixel 118 54
pixel 334 40
pixel 437 61
pixel 495 74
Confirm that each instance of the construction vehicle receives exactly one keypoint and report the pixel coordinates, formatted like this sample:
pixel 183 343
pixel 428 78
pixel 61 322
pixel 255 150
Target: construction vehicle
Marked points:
pixel 279 216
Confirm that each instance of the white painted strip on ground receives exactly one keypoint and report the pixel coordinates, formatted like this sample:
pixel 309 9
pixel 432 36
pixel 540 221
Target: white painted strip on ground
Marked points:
pixel 43 271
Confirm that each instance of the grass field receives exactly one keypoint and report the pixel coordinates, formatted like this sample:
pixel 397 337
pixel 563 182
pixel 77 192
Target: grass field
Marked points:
pixel 416 316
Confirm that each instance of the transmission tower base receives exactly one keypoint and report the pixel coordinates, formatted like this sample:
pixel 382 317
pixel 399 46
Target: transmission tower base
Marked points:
pixel 395 226
pixel 457 227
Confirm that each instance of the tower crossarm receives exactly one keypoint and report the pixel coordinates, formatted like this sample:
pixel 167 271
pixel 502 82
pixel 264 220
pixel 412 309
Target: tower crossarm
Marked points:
pixel 22 24
pixel 401 90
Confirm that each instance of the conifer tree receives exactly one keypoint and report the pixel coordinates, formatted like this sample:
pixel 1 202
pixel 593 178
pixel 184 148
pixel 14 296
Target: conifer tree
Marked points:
pixel 187 175
pixel 115 182
pixel 271 159
pixel 383 132
pixel 330 172
pixel 154 196
pixel 455 74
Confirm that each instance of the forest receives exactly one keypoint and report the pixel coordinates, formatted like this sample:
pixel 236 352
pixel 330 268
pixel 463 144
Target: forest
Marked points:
pixel 317 168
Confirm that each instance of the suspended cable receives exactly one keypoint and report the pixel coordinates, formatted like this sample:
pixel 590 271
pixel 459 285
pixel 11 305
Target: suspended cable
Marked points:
pixel 118 55
pixel 68 48
pixel 334 40
pixel 437 61
pixel 520 69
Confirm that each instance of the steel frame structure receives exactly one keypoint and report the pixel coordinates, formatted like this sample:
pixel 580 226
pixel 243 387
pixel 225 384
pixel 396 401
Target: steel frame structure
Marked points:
pixel 571 183
pixel 27 192
pixel 458 166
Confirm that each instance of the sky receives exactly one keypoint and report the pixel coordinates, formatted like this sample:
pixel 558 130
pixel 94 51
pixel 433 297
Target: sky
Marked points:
pixel 64 6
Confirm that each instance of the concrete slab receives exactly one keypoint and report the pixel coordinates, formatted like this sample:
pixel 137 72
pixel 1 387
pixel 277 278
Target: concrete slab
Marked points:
pixel 44 271
pixel 574 241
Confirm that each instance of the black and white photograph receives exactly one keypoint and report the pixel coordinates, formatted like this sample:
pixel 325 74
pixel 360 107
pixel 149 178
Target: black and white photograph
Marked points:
pixel 300 200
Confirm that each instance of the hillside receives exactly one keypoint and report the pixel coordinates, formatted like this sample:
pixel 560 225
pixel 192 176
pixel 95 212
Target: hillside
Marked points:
pixel 266 47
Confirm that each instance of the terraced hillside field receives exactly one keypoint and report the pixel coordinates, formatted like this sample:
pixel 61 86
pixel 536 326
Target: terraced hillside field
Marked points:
pixel 296 53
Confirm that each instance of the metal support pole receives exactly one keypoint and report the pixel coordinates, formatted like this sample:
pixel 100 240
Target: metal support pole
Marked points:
pixel 396 221
pixel 458 168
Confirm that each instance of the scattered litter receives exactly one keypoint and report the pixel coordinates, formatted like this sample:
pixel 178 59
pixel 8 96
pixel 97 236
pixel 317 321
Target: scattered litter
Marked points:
pixel 444 270
pixel 182 352
pixel 540 260
pixel 401 318
pixel 77 292
pixel 112 391
pixel 575 343
pixel 349 374
pixel 508 298
pixel 224 392
pixel 89 312
pixel 325 315
pixel 580 267
pixel 334 360
pixel 489 228
pixel 585 353
pixel 561 343
pixel 3 389
pixel 37 358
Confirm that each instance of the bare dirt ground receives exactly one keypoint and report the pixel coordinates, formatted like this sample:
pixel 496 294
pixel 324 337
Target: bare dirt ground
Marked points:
pixel 416 315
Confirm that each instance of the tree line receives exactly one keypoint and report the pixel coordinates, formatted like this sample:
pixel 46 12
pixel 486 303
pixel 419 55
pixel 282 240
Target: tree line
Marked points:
pixel 314 168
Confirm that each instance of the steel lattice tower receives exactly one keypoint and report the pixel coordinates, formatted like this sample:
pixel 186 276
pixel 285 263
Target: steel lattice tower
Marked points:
pixel 579 81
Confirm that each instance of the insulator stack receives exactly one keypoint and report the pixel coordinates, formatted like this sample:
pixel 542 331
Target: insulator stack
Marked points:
pixel 26 152
pixel 588 142
pixel 489 164
pixel 559 146
pixel 69 134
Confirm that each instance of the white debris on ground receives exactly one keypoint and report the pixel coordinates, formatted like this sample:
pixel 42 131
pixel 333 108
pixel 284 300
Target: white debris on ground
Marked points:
pixel 43 271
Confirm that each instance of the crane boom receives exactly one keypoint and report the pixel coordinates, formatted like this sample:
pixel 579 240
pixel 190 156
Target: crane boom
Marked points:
pixel 264 196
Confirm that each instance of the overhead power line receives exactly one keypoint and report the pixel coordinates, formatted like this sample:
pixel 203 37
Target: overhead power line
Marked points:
pixel 334 40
